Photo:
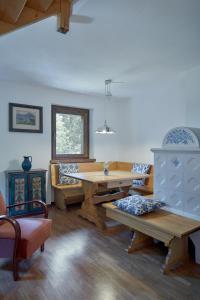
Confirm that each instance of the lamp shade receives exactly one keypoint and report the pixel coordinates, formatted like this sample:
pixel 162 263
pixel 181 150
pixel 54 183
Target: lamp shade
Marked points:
pixel 105 129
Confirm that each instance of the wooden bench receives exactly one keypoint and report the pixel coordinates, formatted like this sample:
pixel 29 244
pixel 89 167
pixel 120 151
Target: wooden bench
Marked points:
pixel 171 229
pixel 68 194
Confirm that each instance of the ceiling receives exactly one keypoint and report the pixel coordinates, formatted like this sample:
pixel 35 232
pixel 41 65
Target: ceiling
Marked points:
pixel 133 41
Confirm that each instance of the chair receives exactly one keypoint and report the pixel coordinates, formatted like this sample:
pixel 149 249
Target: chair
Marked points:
pixel 21 237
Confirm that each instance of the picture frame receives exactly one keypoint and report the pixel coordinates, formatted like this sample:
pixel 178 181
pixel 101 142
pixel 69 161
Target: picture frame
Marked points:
pixel 25 118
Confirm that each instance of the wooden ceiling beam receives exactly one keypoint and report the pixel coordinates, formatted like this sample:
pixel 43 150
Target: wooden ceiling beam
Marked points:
pixel 41 5
pixel 26 12
pixel 29 16
pixel 2 8
pixel 11 10
pixel 64 15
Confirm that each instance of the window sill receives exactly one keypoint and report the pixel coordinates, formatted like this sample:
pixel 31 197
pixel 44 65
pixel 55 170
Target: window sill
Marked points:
pixel 72 160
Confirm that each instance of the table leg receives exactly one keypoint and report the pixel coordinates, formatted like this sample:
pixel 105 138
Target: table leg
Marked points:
pixel 139 241
pixel 88 210
pixel 177 254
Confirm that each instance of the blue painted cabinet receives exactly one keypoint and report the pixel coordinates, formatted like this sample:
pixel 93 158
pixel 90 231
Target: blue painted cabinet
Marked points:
pixel 24 187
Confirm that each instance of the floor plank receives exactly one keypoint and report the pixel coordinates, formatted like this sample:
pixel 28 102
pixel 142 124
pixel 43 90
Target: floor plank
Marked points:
pixel 80 263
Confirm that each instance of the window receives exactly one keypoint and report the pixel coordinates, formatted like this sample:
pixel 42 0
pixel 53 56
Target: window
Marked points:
pixel 70 133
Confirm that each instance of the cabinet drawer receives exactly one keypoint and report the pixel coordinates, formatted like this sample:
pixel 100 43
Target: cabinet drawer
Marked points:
pixel 119 183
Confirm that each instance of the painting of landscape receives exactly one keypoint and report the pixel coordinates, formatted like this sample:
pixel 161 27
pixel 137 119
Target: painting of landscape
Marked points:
pixel 25 118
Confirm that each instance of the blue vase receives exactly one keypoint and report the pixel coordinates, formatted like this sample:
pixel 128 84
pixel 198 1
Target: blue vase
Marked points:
pixel 106 171
pixel 27 163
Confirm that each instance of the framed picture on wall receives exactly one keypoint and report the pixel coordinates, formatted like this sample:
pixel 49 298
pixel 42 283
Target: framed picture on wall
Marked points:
pixel 25 118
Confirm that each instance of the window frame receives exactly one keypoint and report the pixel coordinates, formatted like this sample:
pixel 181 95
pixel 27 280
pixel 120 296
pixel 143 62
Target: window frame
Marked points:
pixel 84 113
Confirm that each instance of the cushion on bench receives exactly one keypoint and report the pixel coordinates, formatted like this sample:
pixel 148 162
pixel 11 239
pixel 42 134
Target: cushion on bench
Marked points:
pixel 65 169
pixel 138 205
pixel 141 169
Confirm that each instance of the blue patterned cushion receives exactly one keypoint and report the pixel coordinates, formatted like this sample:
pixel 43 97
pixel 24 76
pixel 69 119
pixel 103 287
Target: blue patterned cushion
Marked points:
pixel 65 169
pixel 138 205
pixel 141 169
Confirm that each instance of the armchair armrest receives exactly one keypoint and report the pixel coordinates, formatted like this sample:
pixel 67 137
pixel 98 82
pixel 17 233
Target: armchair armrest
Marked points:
pixel 17 238
pixel 14 224
pixel 45 210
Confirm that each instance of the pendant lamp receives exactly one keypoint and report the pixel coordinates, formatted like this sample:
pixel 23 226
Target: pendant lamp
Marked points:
pixel 105 129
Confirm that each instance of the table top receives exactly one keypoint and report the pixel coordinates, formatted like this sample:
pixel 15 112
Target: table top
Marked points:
pixel 174 224
pixel 99 177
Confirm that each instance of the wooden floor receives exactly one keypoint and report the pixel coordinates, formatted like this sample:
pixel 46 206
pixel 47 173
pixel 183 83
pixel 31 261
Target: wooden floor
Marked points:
pixel 80 263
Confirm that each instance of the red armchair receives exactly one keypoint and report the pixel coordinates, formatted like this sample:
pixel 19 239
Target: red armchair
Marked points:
pixel 21 237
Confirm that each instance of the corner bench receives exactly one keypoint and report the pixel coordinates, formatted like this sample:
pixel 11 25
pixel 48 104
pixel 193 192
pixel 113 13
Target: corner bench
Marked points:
pixel 70 193
pixel 171 229
pixel 73 193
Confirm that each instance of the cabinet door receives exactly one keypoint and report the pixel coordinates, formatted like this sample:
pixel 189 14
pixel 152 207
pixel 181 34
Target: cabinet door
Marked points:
pixel 17 193
pixel 37 190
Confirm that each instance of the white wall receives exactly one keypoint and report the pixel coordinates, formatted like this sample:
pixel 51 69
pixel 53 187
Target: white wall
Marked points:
pixel 158 106
pixel 141 122
pixel 15 145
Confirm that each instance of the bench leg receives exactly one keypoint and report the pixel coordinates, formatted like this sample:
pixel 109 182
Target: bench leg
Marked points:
pixel 60 199
pixel 177 254
pixel 139 241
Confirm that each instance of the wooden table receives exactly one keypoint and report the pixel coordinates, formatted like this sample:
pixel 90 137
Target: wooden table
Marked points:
pixel 95 183
pixel 171 229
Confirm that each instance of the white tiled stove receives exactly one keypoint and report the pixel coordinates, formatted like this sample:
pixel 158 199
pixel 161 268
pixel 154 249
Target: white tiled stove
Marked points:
pixel 177 174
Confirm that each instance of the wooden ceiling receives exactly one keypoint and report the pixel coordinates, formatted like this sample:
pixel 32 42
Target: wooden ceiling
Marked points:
pixel 18 13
